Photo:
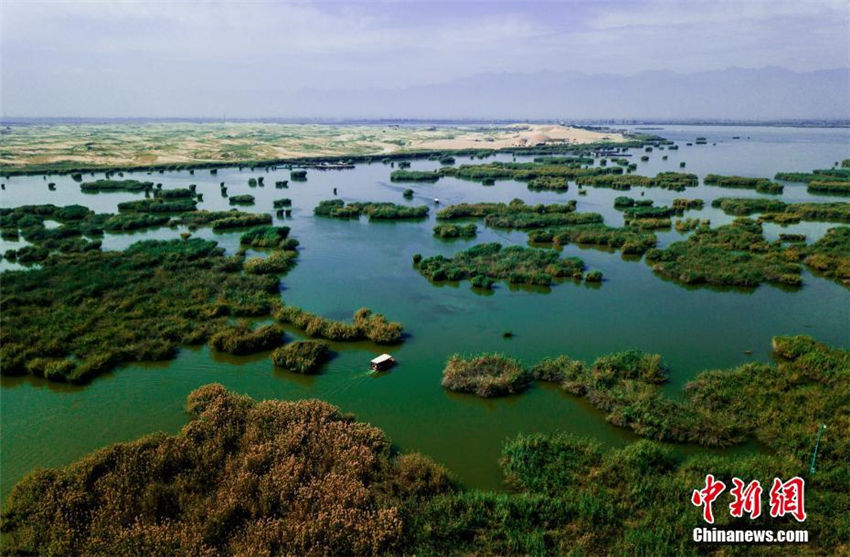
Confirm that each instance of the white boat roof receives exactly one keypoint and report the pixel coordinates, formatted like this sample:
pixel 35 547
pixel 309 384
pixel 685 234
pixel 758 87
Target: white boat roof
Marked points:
pixel 381 359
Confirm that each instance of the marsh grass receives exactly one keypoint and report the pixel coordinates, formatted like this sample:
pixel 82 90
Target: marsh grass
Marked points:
pixel 337 208
pixel 455 230
pixel 627 239
pixel 731 255
pixel 241 339
pixel 303 356
pixel 761 185
pixel 514 264
pixel 485 375
pixel 366 325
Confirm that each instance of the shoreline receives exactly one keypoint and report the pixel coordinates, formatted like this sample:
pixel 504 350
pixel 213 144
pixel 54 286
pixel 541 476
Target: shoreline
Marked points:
pixel 418 143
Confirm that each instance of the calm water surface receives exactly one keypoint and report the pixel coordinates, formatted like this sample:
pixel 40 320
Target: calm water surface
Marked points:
pixel 345 265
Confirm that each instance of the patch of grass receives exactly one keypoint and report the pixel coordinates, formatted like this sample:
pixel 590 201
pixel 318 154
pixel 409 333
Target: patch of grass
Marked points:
pixel 267 237
pixel 732 255
pixel 277 262
pixel 337 208
pixel 761 185
pixel 303 356
pixel 241 339
pixel 680 204
pixel 676 181
pixel 176 193
pixel 629 240
pixel 455 230
pixel 244 199
pixel 514 264
pixel 831 188
pixel 836 211
pixel 157 205
pixel 830 256
pixel 516 206
pixel 830 174
pixel 115 185
pixel 366 325
pixel 485 375
pixel 414 176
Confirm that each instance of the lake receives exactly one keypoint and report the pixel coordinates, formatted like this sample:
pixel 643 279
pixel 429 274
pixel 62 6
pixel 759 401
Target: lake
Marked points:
pixel 345 265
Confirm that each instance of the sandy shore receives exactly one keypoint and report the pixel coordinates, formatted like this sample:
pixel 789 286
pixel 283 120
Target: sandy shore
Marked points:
pixel 521 136
pixel 173 143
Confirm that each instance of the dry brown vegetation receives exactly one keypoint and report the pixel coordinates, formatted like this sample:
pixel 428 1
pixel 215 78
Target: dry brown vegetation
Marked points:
pixel 241 478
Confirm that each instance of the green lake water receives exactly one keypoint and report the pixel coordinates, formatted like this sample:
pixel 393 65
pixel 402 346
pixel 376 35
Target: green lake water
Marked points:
pixel 345 265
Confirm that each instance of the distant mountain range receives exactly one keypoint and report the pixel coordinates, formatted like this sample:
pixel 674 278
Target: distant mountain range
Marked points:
pixel 731 94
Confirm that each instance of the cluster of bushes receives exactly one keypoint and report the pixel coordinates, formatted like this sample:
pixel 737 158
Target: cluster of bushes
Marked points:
pixel 282 203
pixel 244 199
pixel 533 219
pixel 277 263
pixel 623 202
pixel 158 205
pixel 830 255
pixel 761 185
pixel 824 174
pixel 732 255
pixel 675 181
pixel 548 183
pixel 685 225
pixel 836 211
pixel 525 171
pixel 490 262
pixel 831 188
pixel 564 160
pixel 650 223
pixel 645 212
pixel 241 339
pixel 447 230
pixel 269 237
pixel 229 220
pixel 628 240
pixel 115 185
pixel 366 325
pixel 414 176
pixel 486 375
pixel 303 356
pixel 337 208
pixel 176 193
pixel 681 205
pixel 516 206
pixel 241 478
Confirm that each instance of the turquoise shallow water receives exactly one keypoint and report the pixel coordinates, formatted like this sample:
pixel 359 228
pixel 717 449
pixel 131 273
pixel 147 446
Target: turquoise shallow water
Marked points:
pixel 344 265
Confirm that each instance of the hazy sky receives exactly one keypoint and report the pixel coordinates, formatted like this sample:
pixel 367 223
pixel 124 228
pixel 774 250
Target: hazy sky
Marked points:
pixel 157 58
